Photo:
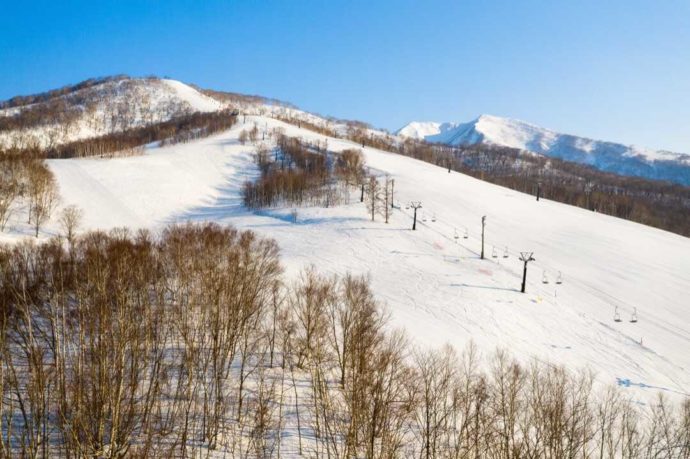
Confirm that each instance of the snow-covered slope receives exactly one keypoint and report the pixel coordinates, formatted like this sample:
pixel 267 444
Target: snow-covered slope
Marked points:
pixel 435 286
pixel 197 101
pixel 606 156
pixel 111 106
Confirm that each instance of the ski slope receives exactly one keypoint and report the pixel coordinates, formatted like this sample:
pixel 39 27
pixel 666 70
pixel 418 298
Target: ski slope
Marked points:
pixel 435 286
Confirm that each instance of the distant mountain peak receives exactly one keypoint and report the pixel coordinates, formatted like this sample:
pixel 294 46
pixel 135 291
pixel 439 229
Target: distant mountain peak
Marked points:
pixel 606 156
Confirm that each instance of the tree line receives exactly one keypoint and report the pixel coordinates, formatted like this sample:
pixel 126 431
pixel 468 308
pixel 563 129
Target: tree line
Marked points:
pixel 129 344
pixel 179 129
pixel 654 203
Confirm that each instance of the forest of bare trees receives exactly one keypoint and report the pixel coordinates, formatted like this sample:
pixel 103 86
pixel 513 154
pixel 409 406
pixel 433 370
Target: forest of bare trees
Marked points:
pixel 299 173
pixel 128 344
pixel 27 188
pixel 179 129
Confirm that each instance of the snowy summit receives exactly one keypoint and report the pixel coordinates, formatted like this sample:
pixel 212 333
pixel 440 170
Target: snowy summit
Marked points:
pixel 605 156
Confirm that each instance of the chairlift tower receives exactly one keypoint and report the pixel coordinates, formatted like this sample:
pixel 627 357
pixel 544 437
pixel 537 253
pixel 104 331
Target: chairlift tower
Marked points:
pixel 525 257
pixel 415 205
pixel 392 190
pixel 483 225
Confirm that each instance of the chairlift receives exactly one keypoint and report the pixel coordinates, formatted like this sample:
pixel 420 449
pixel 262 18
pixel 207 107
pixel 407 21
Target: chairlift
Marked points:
pixel 455 235
pixel 559 280
pixel 544 278
pixel 505 252
pixel 433 219
pixel 407 207
pixel 616 315
pixel 493 253
pixel 423 218
pixel 633 318
pixel 466 234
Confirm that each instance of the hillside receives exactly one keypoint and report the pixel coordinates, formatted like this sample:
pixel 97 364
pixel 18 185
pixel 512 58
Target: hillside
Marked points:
pixel 605 156
pixel 435 285
pixel 105 107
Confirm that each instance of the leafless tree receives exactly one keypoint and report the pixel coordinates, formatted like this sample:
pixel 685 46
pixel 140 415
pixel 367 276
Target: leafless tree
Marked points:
pixel 374 197
pixel 70 219
pixel 43 195
pixel 9 193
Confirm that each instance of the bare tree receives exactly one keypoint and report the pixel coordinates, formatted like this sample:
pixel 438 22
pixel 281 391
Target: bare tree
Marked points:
pixel 43 196
pixel 70 219
pixel 9 192
pixel 243 137
pixel 350 165
pixel 387 198
pixel 373 197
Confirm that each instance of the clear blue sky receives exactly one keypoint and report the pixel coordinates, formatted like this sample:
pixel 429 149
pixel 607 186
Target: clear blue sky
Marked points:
pixel 612 70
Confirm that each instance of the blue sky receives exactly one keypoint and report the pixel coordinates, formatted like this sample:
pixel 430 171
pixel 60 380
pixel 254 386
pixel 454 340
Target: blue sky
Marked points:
pixel 612 70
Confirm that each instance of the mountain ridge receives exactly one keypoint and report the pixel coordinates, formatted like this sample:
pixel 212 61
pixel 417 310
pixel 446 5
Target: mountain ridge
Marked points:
pixel 607 156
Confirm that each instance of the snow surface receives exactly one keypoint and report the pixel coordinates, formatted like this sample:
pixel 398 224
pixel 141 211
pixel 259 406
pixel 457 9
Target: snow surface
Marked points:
pixel 607 156
pixel 198 101
pixel 435 286
pixel 420 129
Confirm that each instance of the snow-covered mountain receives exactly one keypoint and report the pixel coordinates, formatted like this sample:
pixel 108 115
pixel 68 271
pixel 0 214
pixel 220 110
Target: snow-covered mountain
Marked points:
pixel 433 280
pixel 606 156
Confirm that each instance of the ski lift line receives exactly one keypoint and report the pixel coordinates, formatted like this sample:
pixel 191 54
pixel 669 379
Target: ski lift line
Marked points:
pixel 445 236
pixel 487 242
pixel 504 267
pixel 440 222
pixel 625 306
